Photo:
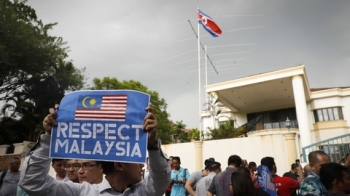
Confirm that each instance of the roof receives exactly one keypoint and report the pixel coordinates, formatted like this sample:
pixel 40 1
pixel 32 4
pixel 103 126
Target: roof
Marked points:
pixel 326 88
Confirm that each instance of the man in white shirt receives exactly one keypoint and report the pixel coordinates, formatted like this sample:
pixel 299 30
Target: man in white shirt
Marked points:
pixel 121 178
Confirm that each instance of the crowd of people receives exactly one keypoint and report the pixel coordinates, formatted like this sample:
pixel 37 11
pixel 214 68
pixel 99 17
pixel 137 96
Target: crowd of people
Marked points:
pixel 165 176
pixel 319 177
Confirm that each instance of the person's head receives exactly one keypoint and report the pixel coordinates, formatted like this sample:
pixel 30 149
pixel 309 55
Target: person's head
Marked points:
pixel 316 159
pixel 294 168
pixel 241 184
pixel 15 163
pixel 244 163
pixel 59 165
pixel 128 173
pixel 89 171
pixel 335 178
pixel 171 161
pixel 252 166
pixel 71 172
pixel 307 170
pixel 210 160
pixel 269 162
pixel 214 167
pixel 234 160
pixel 176 163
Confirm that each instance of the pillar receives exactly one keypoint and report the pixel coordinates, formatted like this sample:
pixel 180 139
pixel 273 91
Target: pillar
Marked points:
pixel 301 109
pixel 291 148
pixel 198 146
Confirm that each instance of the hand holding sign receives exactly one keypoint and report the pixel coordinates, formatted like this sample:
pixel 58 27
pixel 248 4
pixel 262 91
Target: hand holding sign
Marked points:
pixel 150 124
pixel 102 125
pixel 49 120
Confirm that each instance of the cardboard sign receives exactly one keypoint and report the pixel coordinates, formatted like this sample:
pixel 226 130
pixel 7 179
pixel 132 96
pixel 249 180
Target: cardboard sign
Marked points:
pixel 103 125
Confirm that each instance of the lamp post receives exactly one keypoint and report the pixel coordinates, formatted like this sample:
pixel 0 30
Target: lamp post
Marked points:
pixel 288 124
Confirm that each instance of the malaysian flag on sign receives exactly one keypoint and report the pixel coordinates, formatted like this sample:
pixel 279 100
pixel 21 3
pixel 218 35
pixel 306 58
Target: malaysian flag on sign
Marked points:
pixel 101 107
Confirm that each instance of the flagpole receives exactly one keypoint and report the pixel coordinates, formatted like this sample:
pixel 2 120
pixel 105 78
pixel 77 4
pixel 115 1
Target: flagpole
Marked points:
pixel 199 83
pixel 206 64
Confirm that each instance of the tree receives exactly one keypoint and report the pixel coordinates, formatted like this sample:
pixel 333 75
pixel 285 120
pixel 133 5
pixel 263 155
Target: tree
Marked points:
pixel 193 134
pixel 224 131
pixel 179 133
pixel 33 71
pixel 158 104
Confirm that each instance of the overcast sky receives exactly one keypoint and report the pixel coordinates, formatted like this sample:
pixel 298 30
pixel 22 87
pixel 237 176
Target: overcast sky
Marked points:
pixel 152 42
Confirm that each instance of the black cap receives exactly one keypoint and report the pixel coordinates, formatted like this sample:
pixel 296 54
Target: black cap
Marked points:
pixel 211 159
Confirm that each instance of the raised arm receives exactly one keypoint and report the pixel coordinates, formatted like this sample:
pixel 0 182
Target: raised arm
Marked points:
pixel 159 175
pixel 34 177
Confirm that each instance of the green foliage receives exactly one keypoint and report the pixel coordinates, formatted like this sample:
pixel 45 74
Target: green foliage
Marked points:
pixel 194 134
pixel 179 134
pixel 13 131
pixel 225 131
pixel 33 72
pixel 158 104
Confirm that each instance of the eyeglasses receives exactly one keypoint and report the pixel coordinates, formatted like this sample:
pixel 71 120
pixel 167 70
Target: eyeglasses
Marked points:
pixel 83 166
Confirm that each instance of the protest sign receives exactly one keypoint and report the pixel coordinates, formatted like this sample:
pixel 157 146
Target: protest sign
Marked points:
pixel 103 125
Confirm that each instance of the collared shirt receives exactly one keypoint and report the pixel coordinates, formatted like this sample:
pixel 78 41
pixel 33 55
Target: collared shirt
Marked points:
pixel 178 189
pixel 204 183
pixel 220 184
pixel 9 183
pixel 35 181
pixel 65 179
pixel 312 185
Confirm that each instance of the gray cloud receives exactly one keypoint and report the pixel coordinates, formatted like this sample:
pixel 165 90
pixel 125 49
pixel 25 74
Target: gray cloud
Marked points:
pixel 151 41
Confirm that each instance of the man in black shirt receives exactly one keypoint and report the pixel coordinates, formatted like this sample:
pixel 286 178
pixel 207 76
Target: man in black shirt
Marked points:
pixel 293 173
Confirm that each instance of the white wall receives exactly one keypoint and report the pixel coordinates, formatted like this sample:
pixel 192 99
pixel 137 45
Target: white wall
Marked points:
pixel 185 151
pixel 251 148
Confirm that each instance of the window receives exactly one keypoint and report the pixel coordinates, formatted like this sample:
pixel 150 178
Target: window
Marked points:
pixel 328 114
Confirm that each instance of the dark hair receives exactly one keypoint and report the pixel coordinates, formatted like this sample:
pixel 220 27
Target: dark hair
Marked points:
pixel 214 166
pixel 330 172
pixel 244 169
pixel 269 162
pixel 57 160
pixel 313 155
pixel 107 167
pixel 234 160
pixel 242 184
pixel 14 159
pixel 293 166
pixel 251 164
pixel 177 158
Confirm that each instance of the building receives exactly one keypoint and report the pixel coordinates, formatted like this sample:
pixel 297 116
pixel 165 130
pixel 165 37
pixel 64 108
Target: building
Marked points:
pixel 315 114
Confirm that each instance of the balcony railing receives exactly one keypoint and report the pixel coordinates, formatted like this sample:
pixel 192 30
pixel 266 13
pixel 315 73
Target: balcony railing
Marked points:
pixel 274 125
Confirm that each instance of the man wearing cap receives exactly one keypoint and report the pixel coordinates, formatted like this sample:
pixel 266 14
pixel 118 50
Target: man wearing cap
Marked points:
pixel 196 176
pixel 204 183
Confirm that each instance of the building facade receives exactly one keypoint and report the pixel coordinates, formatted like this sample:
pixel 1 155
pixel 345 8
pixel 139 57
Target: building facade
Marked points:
pixel 263 102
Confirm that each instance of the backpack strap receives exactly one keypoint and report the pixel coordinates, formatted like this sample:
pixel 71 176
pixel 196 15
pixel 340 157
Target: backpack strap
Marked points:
pixel 2 177
pixel 185 172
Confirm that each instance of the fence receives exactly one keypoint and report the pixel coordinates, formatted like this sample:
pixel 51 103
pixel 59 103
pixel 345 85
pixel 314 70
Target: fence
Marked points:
pixel 335 147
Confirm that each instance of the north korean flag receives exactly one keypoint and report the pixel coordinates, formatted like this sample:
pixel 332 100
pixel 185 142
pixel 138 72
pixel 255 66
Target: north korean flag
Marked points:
pixel 209 24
